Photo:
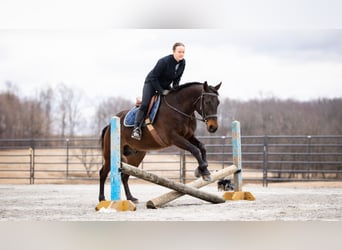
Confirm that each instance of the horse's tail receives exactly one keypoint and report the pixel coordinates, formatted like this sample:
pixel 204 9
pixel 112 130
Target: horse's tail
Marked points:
pixel 102 136
pixel 121 113
pixel 106 127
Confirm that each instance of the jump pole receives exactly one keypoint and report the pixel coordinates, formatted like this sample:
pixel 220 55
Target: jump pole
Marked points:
pixel 198 183
pixel 115 175
pixel 162 181
pixel 237 194
pixel 235 169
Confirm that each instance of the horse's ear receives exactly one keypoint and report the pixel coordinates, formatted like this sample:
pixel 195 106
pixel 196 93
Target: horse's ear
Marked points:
pixel 218 86
pixel 206 86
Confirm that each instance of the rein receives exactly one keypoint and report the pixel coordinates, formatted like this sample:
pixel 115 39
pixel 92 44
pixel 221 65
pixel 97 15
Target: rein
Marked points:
pixel 192 116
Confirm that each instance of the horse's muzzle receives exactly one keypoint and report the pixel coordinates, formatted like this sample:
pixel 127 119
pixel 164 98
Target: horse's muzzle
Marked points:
pixel 212 125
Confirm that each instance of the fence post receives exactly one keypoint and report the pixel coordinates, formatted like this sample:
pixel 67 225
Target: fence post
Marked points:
pixel 236 143
pixel 33 146
pixel 31 165
pixel 67 157
pixel 265 169
pixel 182 167
pixel 308 168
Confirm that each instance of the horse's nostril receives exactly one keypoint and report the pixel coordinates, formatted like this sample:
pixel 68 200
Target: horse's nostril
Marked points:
pixel 212 128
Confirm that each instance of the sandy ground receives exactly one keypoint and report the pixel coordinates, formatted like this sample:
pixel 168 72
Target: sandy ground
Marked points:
pixel 77 203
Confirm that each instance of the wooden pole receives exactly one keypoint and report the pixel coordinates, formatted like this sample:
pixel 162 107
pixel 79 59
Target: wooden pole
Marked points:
pixel 165 198
pixel 162 181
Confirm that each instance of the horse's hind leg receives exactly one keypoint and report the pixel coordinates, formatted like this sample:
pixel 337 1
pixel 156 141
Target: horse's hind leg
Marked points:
pixel 134 160
pixel 106 157
pixel 103 176
pixel 129 196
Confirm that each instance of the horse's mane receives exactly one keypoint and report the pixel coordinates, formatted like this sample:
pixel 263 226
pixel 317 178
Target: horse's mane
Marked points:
pixel 189 84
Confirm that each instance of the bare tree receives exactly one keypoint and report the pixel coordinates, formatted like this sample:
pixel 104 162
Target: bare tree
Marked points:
pixel 46 99
pixel 20 117
pixel 32 119
pixel 9 106
pixel 68 110
pixel 107 109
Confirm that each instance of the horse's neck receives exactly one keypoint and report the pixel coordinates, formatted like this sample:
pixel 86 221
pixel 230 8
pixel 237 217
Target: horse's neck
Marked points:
pixel 185 99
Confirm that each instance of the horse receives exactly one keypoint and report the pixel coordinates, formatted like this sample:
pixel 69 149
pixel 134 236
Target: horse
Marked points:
pixel 175 124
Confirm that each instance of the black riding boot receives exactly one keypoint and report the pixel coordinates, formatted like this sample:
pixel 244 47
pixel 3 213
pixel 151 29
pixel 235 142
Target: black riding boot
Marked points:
pixel 137 133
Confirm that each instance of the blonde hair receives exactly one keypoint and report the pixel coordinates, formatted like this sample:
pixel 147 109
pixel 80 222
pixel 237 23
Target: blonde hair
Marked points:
pixel 176 45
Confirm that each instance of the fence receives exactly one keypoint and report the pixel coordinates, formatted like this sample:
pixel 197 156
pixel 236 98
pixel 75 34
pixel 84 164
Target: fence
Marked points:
pixel 265 159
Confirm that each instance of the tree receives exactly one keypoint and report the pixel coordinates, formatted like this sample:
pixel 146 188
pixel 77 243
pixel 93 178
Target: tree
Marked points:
pixel 10 118
pixel 20 117
pixel 107 109
pixel 68 111
pixel 46 99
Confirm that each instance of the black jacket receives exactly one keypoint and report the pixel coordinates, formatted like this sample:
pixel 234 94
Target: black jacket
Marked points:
pixel 165 73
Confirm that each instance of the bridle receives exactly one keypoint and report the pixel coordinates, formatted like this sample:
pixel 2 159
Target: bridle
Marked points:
pixel 192 116
pixel 204 115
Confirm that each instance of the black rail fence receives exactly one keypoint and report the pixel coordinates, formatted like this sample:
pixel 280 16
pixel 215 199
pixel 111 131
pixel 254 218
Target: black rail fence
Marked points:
pixel 265 159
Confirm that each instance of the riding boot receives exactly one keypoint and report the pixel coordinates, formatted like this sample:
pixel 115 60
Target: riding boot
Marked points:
pixel 139 119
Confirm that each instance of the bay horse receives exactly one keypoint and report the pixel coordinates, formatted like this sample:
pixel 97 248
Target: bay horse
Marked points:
pixel 175 124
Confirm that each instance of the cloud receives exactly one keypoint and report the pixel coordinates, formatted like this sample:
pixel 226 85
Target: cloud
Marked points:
pixel 176 14
pixel 278 14
pixel 114 62
pixel 90 14
pixel 295 44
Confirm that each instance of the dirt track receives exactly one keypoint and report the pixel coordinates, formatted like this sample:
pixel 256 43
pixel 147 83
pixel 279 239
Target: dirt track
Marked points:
pixel 77 203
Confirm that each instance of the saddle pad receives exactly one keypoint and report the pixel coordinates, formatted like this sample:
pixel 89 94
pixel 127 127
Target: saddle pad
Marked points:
pixel 130 116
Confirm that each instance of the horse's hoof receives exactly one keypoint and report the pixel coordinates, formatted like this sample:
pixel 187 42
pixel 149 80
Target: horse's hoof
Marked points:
pixel 134 200
pixel 204 173
pixel 206 177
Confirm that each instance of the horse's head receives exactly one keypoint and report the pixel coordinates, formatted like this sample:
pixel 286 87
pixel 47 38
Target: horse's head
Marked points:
pixel 208 105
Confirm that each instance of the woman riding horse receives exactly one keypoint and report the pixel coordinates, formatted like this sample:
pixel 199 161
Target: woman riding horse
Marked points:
pixel 175 124
pixel 168 69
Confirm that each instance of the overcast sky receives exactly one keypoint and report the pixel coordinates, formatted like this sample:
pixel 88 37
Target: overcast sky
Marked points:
pixel 292 49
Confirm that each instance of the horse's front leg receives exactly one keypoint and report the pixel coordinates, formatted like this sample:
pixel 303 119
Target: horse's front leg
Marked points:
pixel 197 149
pixel 201 170
pixel 200 146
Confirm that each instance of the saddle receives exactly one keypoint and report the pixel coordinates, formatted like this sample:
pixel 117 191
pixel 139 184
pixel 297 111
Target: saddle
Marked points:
pixel 154 99
pixel 151 112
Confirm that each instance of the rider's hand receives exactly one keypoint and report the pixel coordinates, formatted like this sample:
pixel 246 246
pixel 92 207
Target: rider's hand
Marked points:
pixel 165 92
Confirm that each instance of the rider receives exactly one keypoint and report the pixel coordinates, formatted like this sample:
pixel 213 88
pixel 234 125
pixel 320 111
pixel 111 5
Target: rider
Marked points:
pixel 168 69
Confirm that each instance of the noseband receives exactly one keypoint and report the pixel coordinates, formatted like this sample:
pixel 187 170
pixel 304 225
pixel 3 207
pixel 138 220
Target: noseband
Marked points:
pixel 192 116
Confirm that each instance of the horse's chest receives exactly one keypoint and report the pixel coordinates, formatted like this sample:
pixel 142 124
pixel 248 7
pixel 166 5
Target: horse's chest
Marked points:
pixel 189 128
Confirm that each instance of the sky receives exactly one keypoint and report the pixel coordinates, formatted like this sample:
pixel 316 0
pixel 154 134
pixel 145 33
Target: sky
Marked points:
pixel 257 49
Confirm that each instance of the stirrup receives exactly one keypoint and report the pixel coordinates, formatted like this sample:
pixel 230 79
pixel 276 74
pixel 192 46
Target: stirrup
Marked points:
pixel 136 134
